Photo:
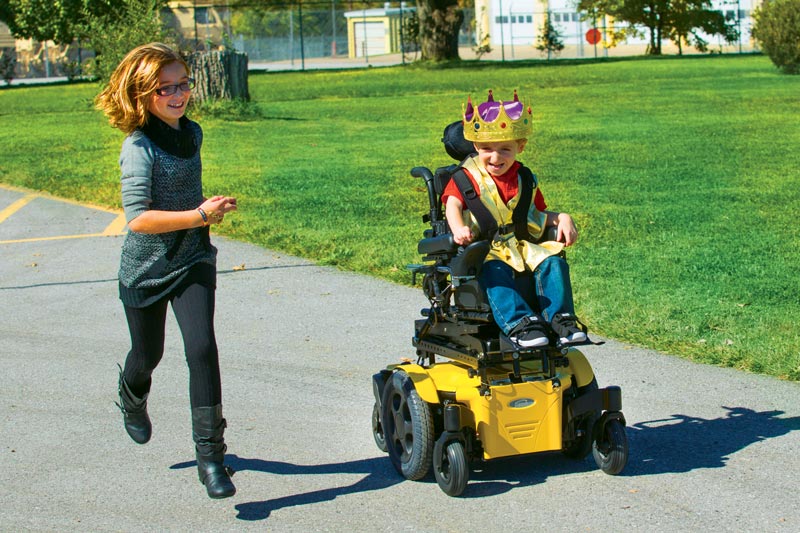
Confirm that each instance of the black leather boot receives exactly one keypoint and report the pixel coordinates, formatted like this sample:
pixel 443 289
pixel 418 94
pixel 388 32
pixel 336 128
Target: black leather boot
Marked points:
pixel 134 412
pixel 208 427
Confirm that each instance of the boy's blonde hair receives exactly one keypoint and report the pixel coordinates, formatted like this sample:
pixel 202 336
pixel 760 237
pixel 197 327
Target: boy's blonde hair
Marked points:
pixel 125 99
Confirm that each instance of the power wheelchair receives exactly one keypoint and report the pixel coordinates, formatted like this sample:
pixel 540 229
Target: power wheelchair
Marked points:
pixel 473 394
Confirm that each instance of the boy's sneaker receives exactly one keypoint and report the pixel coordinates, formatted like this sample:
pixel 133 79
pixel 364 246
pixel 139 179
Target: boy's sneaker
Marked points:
pixel 531 332
pixel 569 329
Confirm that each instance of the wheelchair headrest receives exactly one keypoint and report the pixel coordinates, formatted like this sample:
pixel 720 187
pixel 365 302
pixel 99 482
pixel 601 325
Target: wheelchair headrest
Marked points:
pixel 455 144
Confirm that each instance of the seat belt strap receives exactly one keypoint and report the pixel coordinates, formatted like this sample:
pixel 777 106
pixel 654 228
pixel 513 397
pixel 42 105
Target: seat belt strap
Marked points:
pixel 486 221
pixel 520 215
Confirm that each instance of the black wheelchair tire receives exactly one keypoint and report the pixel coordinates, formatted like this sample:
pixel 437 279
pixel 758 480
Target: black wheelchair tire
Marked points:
pixel 610 450
pixel 451 470
pixel 407 427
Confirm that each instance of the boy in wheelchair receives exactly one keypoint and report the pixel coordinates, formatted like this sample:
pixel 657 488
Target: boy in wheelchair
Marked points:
pixel 492 196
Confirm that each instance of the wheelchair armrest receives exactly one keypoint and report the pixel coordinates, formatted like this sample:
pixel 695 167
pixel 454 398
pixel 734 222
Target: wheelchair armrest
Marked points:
pixel 437 245
pixel 550 234
pixel 469 261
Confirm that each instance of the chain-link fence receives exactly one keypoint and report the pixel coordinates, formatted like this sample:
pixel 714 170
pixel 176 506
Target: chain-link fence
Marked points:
pixel 299 35
pixel 337 34
pixel 312 30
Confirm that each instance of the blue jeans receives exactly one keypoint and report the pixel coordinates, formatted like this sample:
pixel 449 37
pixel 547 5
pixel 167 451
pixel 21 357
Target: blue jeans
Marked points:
pixel 513 297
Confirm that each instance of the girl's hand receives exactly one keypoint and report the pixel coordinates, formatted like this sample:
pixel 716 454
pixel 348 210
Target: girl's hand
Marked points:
pixel 216 207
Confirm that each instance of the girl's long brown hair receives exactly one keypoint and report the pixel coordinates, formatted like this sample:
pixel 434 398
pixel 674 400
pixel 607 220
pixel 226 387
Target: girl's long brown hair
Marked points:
pixel 126 97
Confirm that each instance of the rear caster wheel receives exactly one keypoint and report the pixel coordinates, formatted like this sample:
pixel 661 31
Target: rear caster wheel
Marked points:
pixel 407 427
pixel 377 428
pixel 610 450
pixel 450 468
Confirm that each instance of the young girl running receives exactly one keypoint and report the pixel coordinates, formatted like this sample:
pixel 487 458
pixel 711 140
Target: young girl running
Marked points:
pixel 167 256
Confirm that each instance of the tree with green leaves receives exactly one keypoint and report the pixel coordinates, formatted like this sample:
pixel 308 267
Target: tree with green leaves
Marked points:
pixel 691 20
pixel 110 27
pixel 777 30
pixel 60 21
pixel 113 35
pixel 682 21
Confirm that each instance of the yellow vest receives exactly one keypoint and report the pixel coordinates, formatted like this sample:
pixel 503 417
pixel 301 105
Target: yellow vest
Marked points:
pixel 506 248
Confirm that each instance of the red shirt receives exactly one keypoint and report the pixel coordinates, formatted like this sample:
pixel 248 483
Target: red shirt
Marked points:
pixel 507 186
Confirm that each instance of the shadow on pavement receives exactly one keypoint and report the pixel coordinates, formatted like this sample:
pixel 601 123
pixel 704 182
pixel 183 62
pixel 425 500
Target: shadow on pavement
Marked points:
pixel 683 443
pixel 380 475
pixel 677 444
pixel 59 284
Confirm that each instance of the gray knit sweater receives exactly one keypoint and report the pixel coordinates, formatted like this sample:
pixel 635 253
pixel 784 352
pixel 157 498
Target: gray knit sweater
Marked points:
pixel 155 179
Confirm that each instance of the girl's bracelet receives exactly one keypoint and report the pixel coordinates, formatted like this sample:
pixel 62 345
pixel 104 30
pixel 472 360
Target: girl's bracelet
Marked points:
pixel 204 215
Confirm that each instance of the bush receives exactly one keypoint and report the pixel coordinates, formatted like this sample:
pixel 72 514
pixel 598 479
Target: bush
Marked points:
pixel 777 29
pixel 71 69
pixel 549 40
pixel 8 64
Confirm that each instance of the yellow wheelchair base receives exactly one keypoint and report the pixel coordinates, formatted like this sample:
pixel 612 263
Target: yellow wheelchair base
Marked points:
pixel 446 414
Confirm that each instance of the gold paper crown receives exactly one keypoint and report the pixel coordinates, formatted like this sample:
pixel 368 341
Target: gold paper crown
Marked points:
pixel 499 126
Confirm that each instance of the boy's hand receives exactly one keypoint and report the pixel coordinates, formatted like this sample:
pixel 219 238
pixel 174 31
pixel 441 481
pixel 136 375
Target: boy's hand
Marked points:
pixel 567 231
pixel 462 235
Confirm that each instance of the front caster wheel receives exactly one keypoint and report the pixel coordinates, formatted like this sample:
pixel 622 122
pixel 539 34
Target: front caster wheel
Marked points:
pixel 610 450
pixel 407 427
pixel 377 428
pixel 450 468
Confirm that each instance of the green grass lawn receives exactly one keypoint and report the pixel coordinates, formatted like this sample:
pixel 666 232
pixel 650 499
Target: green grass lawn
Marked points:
pixel 680 173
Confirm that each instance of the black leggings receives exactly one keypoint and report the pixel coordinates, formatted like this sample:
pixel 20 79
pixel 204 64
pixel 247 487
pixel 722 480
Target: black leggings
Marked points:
pixel 193 306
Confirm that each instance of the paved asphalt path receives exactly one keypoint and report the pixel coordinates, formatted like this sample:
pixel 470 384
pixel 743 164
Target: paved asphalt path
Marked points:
pixel 711 449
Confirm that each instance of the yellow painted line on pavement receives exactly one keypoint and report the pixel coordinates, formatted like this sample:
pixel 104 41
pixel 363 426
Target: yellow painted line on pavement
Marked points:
pixel 42 194
pixel 117 227
pixel 61 237
pixel 16 206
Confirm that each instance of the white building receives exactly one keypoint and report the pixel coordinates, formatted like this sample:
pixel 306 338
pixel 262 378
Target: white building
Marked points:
pixel 519 22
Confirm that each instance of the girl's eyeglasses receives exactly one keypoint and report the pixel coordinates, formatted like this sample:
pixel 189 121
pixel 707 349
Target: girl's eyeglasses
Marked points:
pixel 169 90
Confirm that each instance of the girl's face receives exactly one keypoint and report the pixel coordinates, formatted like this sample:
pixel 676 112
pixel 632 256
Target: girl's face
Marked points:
pixel 171 107
pixel 497 157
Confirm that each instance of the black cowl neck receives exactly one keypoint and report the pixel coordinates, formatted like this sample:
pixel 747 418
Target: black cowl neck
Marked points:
pixel 180 143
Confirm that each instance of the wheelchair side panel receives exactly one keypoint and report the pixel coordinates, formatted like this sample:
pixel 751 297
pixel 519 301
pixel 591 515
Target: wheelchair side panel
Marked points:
pixel 580 368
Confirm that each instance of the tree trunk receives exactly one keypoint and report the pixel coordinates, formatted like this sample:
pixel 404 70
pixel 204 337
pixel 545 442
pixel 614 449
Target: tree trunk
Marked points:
pixel 439 24
pixel 655 41
pixel 219 75
pixel 659 31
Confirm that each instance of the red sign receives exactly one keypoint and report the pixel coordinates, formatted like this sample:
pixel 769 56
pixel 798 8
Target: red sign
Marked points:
pixel 593 36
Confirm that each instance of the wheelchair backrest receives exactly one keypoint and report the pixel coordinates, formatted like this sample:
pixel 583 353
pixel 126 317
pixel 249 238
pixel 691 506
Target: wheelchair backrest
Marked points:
pixel 459 149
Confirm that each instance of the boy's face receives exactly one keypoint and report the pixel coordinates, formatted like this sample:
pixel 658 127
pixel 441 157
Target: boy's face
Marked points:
pixel 497 157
